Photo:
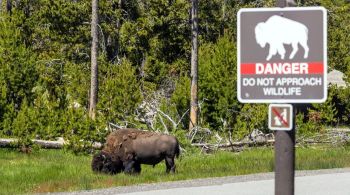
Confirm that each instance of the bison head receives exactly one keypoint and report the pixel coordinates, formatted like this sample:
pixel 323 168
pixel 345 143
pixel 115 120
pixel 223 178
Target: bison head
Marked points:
pixel 106 163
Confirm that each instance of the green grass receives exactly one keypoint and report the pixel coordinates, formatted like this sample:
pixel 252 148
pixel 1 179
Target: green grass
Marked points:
pixel 56 170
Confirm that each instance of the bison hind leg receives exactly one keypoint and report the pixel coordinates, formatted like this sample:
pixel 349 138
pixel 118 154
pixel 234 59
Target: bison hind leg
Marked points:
pixel 170 164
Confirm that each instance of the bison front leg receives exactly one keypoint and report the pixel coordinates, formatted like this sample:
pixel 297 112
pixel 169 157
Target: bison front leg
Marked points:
pixel 129 165
pixel 132 166
pixel 170 164
pixel 137 167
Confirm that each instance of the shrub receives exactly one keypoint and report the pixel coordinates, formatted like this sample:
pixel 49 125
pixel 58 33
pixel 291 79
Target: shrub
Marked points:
pixel 305 128
pixel 217 83
pixel 251 116
pixel 119 93
pixel 82 132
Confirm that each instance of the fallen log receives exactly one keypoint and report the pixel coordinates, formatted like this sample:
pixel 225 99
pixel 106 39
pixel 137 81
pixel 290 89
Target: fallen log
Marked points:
pixel 255 143
pixel 235 144
pixel 59 144
pixel 6 142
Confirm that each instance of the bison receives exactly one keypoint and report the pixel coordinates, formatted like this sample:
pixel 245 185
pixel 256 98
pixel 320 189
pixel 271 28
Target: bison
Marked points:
pixel 134 147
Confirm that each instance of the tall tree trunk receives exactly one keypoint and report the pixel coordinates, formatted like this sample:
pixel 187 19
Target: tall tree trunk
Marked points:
pixel 285 3
pixel 194 66
pixel 94 65
pixel 281 3
pixel 223 19
pixel 142 72
pixel 118 25
pixel 9 6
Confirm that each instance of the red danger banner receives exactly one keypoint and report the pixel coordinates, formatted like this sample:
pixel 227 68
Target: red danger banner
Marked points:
pixel 282 68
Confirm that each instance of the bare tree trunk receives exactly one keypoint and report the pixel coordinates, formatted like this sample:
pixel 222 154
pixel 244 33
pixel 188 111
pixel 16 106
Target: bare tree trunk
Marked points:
pixel 114 43
pixel 223 30
pixel 9 6
pixel 94 65
pixel 142 72
pixel 194 66
pixel 118 25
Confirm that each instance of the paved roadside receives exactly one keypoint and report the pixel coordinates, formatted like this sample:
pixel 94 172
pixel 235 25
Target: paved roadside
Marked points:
pixel 320 182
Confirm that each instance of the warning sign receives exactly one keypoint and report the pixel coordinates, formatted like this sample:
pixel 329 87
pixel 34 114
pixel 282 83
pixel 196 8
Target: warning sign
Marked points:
pixel 280 116
pixel 282 55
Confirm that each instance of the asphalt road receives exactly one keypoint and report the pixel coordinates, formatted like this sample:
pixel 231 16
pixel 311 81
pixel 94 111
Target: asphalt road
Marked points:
pixel 318 182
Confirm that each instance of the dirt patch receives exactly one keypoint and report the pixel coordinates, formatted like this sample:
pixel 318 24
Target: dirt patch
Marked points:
pixel 106 182
pixel 53 186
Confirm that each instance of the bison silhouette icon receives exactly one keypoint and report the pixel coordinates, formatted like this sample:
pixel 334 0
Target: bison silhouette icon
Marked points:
pixel 277 31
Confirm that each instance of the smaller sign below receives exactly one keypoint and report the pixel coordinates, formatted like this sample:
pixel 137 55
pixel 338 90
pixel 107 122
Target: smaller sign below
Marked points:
pixel 281 117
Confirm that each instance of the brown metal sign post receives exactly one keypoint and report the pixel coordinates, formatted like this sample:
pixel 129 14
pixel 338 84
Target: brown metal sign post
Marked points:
pixel 285 161
pixel 285 152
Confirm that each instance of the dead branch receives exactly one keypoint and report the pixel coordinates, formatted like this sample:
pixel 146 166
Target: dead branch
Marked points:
pixel 234 144
pixel 112 126
pixel 168 117
pixel 184 114
pixel 257 138
pixel 164 125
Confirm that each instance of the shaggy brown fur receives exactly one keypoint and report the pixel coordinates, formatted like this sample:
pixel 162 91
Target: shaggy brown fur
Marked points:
pixel 119 142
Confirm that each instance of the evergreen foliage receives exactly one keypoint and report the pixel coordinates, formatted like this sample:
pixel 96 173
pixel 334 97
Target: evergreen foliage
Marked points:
pixel 217 83
pixel 144 55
